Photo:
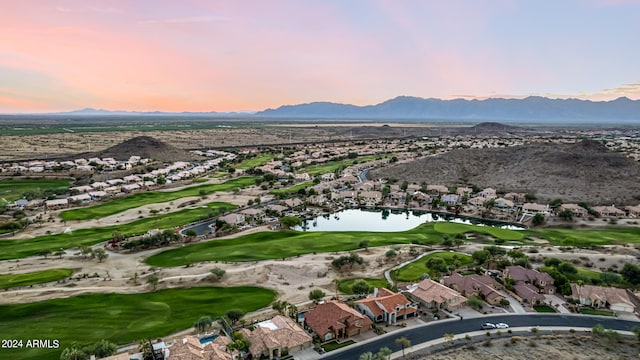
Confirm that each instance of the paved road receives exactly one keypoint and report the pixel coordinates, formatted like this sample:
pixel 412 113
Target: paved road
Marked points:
pixel 436 330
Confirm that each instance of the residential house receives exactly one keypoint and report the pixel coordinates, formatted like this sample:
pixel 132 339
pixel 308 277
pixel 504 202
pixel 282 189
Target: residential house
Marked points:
pixel 488 193
pixel 386 306
pixel 56 204
pixel 503 204
pixel 335 320
pixel 327 177
pixel 256 214
pixel 608 211
pixel 190 348
pixel 515 197
pixel 542 281
pixel 276 337
pixel 576 210
pixel 293 203
pixel 81 189
pixel 130 188
pixel 440 189
pixel 477 201
pixel 80 198
pixel 633 211
pixel 476 285
pixel 450 199
pixel 370 198
pixel 533 208
pixel 434 295
pixel 464 191
pixel 97 195
pixel 528 293
pixel 233 218
pixel 616 299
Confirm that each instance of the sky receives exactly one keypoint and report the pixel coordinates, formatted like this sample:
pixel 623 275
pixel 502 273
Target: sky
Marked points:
pixel 239 55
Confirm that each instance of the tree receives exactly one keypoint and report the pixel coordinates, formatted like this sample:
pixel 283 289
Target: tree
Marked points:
pixel 316 295
pixel 239 343
pixel 631 273
pixel 360 287
pixel 391 253
pixel 404 186
pixel 566 214
pixel 384 353
pixel 475 302
pixel 459 240
pixel 153 281
pixel 102 348
pixel 529 197
pixel 364 244
pixel 555 203
pixel 292 311
pixel 404 343
pixel 552 262
pixel 100 254
pixel 538 219
pixel 203 323
pixel 59 253
pixel 190 233
pixel 218 273
pixel 234 315
pixel 74 352
pixel 447 242
pixel 85 251
pixel 480 257
pixel 366 356
pixel 117 237
pixel 280 306
pixel 290 221
pixel 146 349
pixel 567 268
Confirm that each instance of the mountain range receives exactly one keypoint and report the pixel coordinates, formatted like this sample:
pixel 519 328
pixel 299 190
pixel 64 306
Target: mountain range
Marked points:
pixel 530 109
pixel 533 108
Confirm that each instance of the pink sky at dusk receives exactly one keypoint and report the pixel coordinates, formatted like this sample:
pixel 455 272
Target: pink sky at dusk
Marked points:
pixel 200 55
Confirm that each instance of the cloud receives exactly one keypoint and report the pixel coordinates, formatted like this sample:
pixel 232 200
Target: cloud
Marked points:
pixel 184 20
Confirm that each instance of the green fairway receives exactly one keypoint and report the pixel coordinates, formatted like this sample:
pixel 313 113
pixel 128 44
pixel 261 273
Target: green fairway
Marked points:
pixel 120 318
pixel 457 228
pixel 282 244
pixel 292 190
pixel 14 249
pixel 345 285
pixel 598 236
pixel 415 270
pixel 253 162
pixel 13 189
pixel 8 281
pixel 152 197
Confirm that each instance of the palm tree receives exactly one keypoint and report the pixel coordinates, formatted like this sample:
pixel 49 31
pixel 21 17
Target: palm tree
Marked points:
pixel 404 343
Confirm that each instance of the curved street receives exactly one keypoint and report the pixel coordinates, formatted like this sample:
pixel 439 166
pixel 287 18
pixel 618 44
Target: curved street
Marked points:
pixel 436 330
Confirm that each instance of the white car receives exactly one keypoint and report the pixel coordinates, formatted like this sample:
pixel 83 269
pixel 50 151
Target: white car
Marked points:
pixel 487 326
pixel 502 326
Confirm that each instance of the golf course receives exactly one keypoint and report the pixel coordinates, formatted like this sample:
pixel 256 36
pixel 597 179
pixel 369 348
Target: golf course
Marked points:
pixel 8 281
pixel 120 318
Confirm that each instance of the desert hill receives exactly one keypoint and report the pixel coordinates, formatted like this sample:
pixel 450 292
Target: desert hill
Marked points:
pixel 146 147
pixel 584 171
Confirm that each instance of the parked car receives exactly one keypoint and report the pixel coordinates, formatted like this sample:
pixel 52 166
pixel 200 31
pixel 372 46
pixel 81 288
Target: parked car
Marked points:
pixel 488 326
pixel 502 326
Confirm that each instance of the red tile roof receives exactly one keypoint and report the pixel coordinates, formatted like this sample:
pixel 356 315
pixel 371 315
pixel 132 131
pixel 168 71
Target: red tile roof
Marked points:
pixel 333 315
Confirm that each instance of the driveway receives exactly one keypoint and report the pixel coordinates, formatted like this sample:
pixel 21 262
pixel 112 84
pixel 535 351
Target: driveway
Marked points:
pixel 513 303
pixel 556 303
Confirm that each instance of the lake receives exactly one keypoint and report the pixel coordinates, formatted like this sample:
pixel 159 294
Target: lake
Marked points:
pixel 386 221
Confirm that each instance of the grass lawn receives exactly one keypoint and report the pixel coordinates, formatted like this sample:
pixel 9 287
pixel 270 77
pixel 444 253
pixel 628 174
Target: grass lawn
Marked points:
pixel 14 249
pixel 543 309
pixel 12 189
pixel 415 270
pixel 600 236
pixel 333 345
pixel 152 197
pixel 288 243
pixel 345 285
pixel 255 161
pixel 292 190
pixel 457 228
pixel 589 311
pixel 8 281
pixel 120 318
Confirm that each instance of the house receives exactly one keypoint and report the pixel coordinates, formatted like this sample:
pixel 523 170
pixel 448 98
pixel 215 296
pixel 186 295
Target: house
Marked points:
pixel 370 198
pixel 81 189
pixel 476 285
pixel 190 348
pixel 233 218
pixel 81 198
pixel 97 195
pixel 618 300
pixel 434 295
pixel 477 201
pixel 450 199
pixel 502 203
pixel 464 191
pixel 533 208
pixel 608 211
pixel 386 306
pixel 293 203
pixel 528 293
pixel 575 209
pixel 335 320
pixel 130 187
pixel 327 177
pixel 515 197
pixel 56 204
pixel 440 189
pixel 633 211
pixel 488 193
pixel 541 280
pixel 276 337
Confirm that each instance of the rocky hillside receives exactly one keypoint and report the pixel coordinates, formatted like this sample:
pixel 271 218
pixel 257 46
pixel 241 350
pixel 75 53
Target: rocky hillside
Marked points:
pixel 584 171
pixel 146 147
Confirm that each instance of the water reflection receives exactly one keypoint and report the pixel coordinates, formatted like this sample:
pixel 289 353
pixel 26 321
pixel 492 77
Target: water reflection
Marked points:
pixel 386 221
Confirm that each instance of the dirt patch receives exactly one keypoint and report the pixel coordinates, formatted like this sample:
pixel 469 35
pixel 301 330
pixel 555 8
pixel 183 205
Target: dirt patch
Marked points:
pixel 578 347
